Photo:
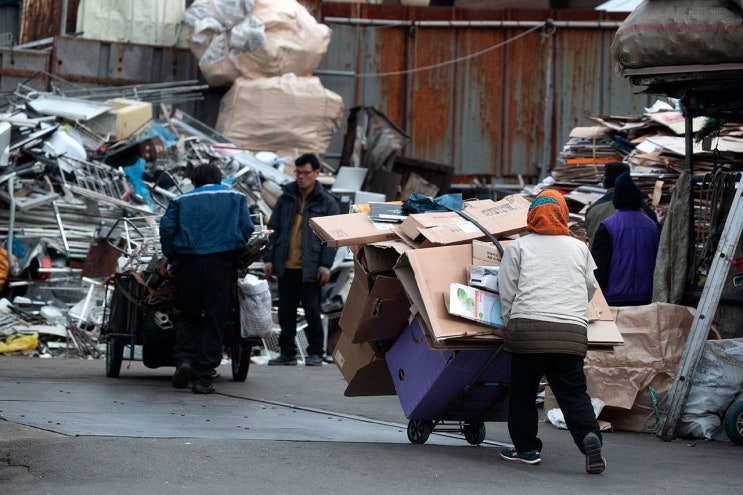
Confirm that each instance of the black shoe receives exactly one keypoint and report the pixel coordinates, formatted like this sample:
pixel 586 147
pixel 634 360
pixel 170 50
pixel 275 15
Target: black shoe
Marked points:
pixel 313 360
pixel 182 375
pixel 283 360
pixel 202 389
pixel 595 460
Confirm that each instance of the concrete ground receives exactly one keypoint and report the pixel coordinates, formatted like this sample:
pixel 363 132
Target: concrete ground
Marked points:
pixel 65 428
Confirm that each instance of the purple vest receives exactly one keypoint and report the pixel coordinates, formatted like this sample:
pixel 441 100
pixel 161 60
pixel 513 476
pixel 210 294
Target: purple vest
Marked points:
pixel 634 244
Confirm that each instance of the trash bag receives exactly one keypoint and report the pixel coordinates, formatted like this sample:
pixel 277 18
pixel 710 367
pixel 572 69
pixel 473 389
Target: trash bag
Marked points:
pixel 255 307
pixel 19 342
pixel 418 203
pixel 717 381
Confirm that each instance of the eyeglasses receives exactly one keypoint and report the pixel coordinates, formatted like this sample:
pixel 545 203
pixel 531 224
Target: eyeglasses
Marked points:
pixel 305 173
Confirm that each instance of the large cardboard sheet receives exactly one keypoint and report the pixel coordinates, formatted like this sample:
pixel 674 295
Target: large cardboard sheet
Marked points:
pixel 426 275
pixel 501 218
pixel 350 229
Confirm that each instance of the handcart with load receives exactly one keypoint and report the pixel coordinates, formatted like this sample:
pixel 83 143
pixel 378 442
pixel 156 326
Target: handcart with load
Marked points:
pixel 139 321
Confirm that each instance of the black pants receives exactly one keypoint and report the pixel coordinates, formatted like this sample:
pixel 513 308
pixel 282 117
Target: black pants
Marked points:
pixel 564 373
pixel 206 294
pixel 292 292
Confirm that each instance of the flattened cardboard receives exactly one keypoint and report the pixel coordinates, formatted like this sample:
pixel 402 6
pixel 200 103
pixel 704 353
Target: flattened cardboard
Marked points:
pixel 505 217
pixel 426 275
pixel 366 373
pixel 598 308
pixel 350 229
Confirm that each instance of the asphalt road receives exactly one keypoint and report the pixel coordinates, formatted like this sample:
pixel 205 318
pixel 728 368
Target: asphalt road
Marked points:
pixel 67 429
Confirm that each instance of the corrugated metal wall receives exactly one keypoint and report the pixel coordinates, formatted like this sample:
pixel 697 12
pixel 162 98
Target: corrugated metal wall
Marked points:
pixel 504 112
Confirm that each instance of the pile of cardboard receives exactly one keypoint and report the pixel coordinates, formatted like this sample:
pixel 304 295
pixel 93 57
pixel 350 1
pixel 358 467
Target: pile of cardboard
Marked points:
pixel 403 273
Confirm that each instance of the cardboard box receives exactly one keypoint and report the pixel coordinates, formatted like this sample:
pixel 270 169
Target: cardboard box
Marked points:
pixel 365 372
pixel 434 384
pixel 484 277
pixel 383 256
pixel 474 304
pixel 505 217
pixel 351 228
pixel 126 118
pixel 486 253
pixel 378 313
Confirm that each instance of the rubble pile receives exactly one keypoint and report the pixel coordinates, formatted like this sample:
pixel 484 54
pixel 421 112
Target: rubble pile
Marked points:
pixel 78 204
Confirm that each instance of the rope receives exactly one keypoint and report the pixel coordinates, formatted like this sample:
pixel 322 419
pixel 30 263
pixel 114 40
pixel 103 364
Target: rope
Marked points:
pixel 456 60
pixel 656 405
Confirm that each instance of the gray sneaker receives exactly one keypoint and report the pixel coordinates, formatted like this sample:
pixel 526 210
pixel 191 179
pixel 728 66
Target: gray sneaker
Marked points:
pixel 529 457
pixel 283 360
pixel 313 360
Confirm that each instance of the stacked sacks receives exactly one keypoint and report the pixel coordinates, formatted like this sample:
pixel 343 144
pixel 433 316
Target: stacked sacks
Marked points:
pixel 267 50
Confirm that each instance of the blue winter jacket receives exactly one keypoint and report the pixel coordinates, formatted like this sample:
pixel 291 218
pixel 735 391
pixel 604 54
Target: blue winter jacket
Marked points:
pixel 625 249
pixel 208 219
pixel 314 252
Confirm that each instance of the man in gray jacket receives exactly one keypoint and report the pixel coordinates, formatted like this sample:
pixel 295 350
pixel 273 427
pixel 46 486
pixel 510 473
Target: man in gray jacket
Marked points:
pixel 300 260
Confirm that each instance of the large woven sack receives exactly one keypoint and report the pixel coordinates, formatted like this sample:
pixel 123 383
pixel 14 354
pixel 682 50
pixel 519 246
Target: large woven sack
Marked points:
pixel 679 32
pixel 254 39
pixel 287 113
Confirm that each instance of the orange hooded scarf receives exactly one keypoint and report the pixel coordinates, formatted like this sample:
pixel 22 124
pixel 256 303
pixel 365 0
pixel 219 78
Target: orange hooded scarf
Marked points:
pixel 548 214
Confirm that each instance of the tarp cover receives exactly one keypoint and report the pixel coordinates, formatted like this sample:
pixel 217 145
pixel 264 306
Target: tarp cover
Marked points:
pixel 680 32
pixel 132 21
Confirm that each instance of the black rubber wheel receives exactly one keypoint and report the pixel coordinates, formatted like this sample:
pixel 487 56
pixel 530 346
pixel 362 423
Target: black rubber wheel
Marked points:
pixel 114 357
pixel 474 433
pixel 734 423
pixel 240 354
pixel 419 431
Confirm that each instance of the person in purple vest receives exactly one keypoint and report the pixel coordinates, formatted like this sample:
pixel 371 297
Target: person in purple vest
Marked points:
pixel 625 248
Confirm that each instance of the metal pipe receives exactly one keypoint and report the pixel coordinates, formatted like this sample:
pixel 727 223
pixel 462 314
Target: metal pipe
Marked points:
pixel 13 267
pixel 63 22
pixel 548 97
pixel 471 24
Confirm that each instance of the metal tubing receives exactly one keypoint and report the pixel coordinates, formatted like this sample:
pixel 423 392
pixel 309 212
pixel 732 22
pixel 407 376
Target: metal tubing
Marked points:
pixel 471 24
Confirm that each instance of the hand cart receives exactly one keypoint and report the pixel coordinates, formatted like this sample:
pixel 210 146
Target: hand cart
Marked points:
pixel 143 309
pixel 450 391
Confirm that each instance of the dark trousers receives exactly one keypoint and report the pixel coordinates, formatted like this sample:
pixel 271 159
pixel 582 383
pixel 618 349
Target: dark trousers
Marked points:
pixel 564 373
pixel 292 292
pixel 206 294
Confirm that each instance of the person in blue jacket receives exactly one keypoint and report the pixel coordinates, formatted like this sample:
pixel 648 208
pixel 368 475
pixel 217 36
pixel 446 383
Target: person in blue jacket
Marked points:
pixel 300 260
pixel 625 248
pixel 202 234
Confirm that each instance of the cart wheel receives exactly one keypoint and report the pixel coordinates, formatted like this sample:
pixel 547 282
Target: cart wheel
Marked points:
pixel 114 357
pixel 240 355
pixel 734 423
pixel 474 433
pixel 419 431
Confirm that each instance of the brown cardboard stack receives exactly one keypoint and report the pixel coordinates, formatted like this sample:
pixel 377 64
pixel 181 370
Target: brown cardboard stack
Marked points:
pixel 404 272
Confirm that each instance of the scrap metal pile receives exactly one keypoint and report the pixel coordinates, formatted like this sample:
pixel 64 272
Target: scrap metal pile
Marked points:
pixel 83 183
